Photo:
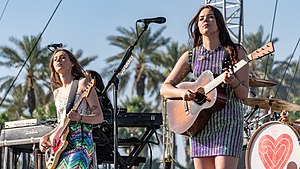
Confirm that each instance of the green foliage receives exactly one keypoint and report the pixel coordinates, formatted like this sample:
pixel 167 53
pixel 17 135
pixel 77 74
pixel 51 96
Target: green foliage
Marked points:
pixel 47 111
pixel 293 116
pixel 31 97
pixel 28 51
pixel 3 118
pixel 152 60
pixel 136 104
pixel 145 71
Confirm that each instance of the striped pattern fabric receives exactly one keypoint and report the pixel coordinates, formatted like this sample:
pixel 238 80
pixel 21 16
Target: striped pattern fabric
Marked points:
pixel 223 133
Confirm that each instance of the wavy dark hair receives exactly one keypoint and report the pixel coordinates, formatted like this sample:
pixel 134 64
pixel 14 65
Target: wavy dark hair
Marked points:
pixel 76 71
pixel 103 97
pixel 225 40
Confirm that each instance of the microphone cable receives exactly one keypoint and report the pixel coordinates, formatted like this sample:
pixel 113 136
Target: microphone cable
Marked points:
pixel 40 36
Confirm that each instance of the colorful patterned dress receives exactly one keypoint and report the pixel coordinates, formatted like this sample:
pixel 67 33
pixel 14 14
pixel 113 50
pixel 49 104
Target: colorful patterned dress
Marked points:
pixel 80 149
pixel 223 133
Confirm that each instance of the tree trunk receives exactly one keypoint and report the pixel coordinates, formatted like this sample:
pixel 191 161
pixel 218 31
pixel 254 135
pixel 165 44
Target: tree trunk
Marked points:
pixel 140 81
pixel 31 98
pixel 140 87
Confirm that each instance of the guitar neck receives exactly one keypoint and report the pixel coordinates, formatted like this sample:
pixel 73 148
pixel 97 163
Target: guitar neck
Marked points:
pixel 218 80
pixel 78 103
pixel 259 53
pixel 67 120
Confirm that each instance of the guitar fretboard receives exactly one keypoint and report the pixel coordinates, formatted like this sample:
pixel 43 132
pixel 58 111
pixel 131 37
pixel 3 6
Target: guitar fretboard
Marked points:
pixel 218 80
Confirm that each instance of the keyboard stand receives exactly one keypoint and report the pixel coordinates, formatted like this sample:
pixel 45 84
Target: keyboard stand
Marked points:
pixel 125 162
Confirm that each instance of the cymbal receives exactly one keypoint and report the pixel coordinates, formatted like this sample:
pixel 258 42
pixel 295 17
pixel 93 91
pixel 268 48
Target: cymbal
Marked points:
pixel 273 104
pixel 255 82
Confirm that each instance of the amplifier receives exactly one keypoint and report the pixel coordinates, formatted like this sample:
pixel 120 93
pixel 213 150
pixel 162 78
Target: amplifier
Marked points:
pixel 23 123
pixel 23 135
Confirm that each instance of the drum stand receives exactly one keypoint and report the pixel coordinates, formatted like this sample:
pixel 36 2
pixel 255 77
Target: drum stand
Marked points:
pixel 258 119
pixel 273 117
pixel 247 124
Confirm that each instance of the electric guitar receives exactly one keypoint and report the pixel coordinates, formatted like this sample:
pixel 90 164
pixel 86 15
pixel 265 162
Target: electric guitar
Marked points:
pixel 189 117
pixel 58 139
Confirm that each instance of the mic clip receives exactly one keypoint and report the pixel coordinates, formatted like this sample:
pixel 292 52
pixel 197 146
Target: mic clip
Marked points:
pixel 55 46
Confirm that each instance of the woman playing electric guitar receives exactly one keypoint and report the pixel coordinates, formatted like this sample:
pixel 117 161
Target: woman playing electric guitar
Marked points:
pixel 75 137
pixel 219 144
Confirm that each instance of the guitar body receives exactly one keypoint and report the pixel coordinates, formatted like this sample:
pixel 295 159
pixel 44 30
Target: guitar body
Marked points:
pixel 189 117
pixel 192 121
pixel 59 143
pixel 58 139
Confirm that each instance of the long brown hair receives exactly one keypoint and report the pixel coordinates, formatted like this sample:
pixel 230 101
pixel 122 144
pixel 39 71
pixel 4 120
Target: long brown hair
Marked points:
pixel 76 71
pixel 225 40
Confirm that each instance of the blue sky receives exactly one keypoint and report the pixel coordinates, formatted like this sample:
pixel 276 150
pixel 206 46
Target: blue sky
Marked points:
pixel 87 24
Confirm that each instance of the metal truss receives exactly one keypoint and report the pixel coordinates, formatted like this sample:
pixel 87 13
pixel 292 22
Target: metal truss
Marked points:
pixel 233 14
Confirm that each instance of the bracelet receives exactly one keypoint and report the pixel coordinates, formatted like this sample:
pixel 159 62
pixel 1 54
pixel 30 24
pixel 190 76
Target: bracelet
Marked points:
pixel 236 86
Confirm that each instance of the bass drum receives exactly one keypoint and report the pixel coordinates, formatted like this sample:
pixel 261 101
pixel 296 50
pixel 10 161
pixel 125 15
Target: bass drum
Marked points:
pixel 274 145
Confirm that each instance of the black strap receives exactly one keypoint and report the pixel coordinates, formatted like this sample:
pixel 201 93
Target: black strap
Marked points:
pixel 226 61
pixel 72 94
pixel 190 60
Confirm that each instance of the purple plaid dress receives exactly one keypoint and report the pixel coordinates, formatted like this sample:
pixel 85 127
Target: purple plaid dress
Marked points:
pixel 223 134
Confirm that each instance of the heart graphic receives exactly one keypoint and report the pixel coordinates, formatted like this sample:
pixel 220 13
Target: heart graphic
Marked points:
pixel 274 154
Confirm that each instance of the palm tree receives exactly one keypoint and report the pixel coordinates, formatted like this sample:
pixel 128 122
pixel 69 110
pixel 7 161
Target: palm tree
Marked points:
pixel 263 67
pixel 275 71
pixel 16 105
pixel 284 74
pixel 145 56
pixel 34 58
pixel 37 81
pixel 254 41
pixel 168 61
pixel 134 105
pixel 83 60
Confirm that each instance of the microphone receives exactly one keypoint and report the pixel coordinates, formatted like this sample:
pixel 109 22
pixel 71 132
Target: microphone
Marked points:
pixel 55 45
pixel 158 20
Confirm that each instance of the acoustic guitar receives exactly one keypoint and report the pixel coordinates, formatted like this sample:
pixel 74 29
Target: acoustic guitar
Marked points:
pixel 190 117
pixel 58 139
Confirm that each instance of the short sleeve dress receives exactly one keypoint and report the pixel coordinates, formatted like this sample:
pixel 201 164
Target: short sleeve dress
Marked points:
pixel 223 134
pixel 80 149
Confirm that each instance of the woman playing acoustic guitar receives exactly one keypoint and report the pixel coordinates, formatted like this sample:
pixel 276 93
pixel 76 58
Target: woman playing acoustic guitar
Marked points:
pixel 73 148
pixel 219 144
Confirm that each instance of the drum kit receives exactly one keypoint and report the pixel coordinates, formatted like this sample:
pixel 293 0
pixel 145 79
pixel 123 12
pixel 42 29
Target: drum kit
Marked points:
pixel 274 143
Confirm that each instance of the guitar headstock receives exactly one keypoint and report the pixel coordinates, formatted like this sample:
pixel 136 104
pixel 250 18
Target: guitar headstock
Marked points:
pixel 87 90
pixel 261 52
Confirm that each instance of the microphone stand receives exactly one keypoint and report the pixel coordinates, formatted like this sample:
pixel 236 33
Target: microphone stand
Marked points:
pixel 114 80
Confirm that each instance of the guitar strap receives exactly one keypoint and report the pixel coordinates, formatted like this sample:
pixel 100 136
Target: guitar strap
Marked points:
pixel 72 94
pixel 190 61
pixel 71 99
pixel 227 61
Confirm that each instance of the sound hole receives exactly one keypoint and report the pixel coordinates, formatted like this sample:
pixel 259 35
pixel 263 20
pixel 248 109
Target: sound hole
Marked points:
pixel 200 96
